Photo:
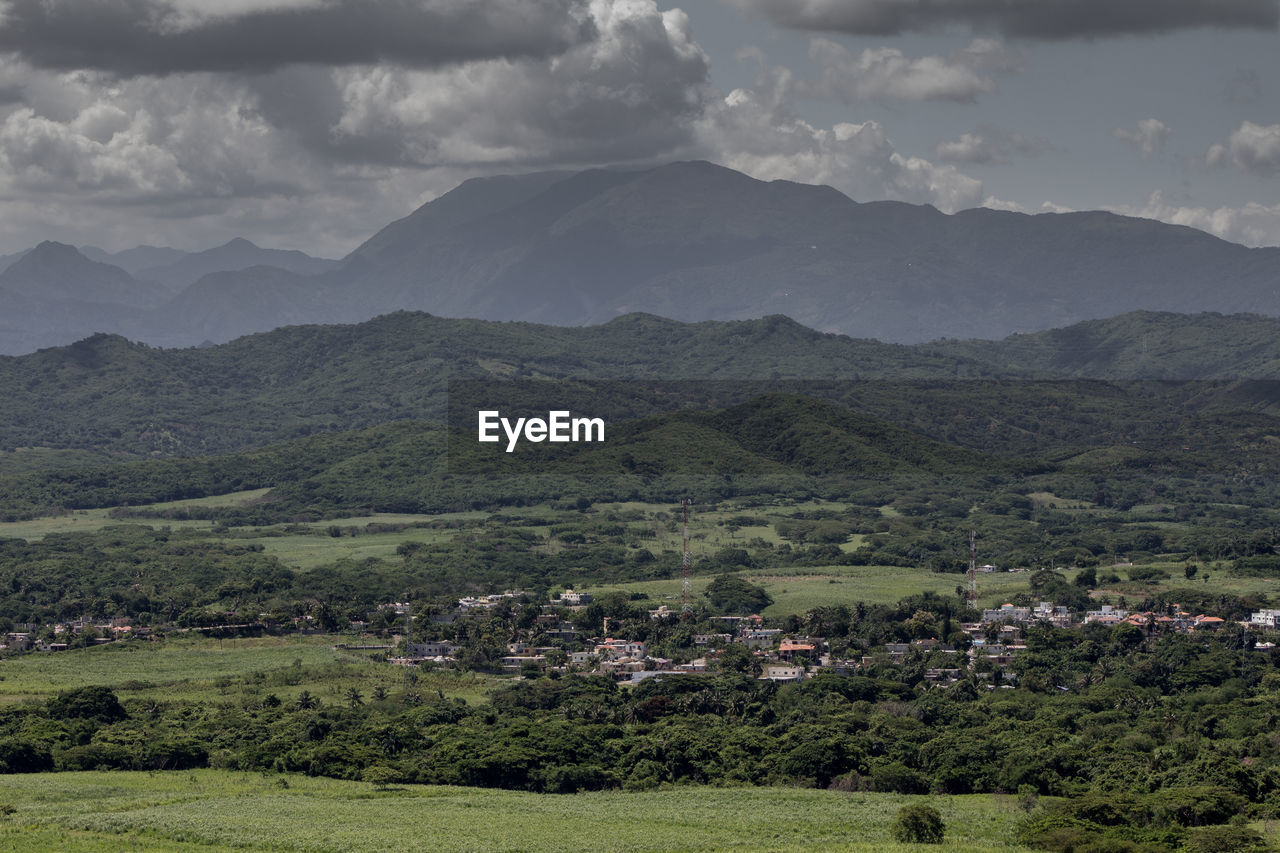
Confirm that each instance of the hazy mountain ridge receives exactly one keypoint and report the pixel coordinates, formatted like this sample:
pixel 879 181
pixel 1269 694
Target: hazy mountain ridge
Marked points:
pixel 696 241
pixel 55 293
pixel 238 254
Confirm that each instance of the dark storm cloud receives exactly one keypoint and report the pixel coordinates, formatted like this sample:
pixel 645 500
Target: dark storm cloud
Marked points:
pixel 1038 19
pixel 158 37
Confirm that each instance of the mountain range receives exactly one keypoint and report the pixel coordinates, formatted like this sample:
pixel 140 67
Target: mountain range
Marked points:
pixel 118 399
pixel 692 241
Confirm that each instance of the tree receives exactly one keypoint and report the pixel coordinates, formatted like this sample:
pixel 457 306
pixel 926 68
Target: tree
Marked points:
pixel 732 594
pixel 98 703
pixel 918 824
pixel 736 658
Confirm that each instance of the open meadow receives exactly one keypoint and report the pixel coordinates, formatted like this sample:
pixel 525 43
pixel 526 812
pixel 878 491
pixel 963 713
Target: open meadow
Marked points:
pixel 205 669
pixel 207 810
pixel 800 590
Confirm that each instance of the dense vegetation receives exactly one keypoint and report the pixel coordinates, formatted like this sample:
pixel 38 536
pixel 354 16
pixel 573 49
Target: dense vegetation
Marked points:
pixel 118 398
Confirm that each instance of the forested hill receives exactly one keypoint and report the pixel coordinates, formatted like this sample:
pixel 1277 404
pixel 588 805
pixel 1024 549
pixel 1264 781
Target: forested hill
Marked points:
pixel 109 396
pixel 776 444
pixel 1083 441
pixel 1139 345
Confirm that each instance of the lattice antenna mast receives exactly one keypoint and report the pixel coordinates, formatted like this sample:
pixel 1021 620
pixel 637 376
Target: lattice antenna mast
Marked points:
pixel 973 568
pixel 686 562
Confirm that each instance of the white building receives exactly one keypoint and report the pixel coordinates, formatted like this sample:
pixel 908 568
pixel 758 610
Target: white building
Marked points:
pixel 1265 619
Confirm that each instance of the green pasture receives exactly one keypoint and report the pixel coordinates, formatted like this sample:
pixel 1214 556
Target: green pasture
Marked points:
pixel 167 668
pixel 222 810
pixel 309 550
pixel 1210 577
pixel 1044 499
pixel 198 668
pixel 800 590
pixel 95 519
pixel 83 521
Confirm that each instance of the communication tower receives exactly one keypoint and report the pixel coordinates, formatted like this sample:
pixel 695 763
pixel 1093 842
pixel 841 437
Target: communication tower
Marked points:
pixel 973 569
pixel 686 562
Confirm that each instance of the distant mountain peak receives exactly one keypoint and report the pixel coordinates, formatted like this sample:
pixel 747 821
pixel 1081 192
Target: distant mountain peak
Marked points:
pixel 51 255
pixel 239 243
pixel 54 249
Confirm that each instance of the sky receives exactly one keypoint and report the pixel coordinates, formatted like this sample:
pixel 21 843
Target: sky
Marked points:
pixel 310 124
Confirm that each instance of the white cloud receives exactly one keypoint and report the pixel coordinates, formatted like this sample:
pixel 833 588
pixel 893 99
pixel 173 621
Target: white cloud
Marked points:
pixel 993 203
pixel 759 135
pixel 1251 224
pixel 988 145
pixel 630 94
pixel 1148 138
pixel 1252 147
pixel 969 148
pixel 884 72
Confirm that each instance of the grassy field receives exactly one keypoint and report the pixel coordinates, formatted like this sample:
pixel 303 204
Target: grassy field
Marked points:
pixel 220 810
pixel 211 670
pixel 80 520
pixel 826 586
pixel 309 550
pixel 95 519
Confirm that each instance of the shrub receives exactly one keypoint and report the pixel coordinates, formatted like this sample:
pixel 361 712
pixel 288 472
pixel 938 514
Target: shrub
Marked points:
pixel 918 824
pixel 899 779
pixel 1224 839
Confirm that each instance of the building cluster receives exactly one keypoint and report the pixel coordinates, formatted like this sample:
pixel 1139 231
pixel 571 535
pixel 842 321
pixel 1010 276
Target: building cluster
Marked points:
pixel 29 636
pixel 989 652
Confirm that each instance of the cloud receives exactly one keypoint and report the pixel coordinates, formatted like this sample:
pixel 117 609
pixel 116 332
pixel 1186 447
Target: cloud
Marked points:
pixel 988 146
pixel 1252 147
pixel 632 93
pixel 883 73
pixel 1251 224
pixel 1148 138
pixel 993 203
pixel 1037 19
pixel 158 37
pixel 756 133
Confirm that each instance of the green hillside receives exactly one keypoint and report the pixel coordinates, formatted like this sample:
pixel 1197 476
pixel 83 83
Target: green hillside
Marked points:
pixel 115 399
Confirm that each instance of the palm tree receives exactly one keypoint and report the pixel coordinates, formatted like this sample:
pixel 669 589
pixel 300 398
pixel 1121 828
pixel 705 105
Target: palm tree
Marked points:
pixel 354 697
pixel 306 701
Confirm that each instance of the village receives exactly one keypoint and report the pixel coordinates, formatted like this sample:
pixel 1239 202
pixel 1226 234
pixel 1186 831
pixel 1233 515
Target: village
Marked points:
pixel 987 648
pixel 545 639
